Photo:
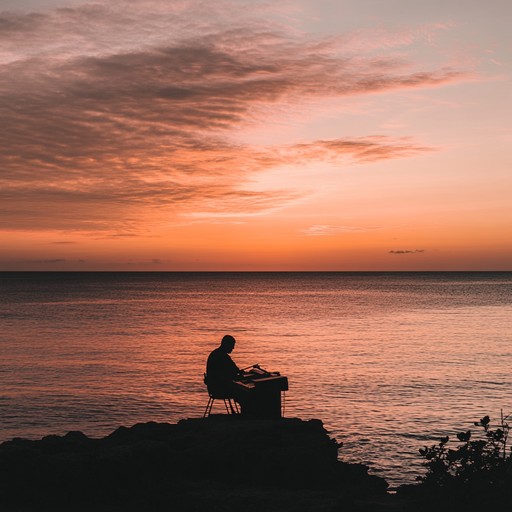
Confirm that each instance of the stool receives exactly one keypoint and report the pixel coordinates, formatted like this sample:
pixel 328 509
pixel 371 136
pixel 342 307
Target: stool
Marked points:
pixel 229 403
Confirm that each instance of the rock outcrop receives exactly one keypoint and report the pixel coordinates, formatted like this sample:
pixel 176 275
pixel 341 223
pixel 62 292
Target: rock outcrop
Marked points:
pixel 222 463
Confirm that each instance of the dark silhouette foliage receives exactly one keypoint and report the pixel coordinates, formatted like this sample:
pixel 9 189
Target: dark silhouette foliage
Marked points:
pixel 476 472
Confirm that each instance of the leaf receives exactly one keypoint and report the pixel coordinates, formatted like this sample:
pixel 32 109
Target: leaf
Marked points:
pixel 464 436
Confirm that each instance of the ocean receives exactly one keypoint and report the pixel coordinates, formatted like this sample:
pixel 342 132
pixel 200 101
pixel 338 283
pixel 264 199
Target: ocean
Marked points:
pixel 389 361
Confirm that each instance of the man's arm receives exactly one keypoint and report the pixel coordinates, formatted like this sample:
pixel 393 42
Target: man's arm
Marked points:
pixel 231 368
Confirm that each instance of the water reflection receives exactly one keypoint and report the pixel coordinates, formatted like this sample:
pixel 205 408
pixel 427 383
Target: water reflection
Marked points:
pixel 387 361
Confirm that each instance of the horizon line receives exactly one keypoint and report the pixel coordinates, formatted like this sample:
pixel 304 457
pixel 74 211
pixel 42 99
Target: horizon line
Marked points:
pixel 121 271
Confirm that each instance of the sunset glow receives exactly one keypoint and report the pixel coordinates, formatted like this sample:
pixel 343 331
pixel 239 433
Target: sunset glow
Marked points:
pixel 247 135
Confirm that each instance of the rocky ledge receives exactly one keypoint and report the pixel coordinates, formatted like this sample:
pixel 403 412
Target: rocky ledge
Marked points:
pixel 221 463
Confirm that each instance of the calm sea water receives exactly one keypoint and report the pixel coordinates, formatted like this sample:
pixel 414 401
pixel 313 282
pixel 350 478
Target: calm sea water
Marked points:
pixel 389 361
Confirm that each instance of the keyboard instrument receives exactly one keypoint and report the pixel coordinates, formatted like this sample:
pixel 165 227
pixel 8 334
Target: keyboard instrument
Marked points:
pixel 261 393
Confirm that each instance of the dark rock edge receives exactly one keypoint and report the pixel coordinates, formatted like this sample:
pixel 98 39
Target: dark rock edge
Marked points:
pixel 222 463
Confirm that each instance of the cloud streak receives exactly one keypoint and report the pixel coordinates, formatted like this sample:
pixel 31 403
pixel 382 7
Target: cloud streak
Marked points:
pixel 400 251
pixel 115 133
pixel 362 149
pixel 327 230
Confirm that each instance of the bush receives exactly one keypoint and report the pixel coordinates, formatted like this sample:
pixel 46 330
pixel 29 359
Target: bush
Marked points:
pixel 477 464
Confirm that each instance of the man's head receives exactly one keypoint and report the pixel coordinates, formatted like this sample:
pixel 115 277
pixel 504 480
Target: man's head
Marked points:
pixel 228 343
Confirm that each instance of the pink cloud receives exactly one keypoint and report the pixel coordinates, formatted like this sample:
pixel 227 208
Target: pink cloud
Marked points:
pixel 140 120
pixel 362 149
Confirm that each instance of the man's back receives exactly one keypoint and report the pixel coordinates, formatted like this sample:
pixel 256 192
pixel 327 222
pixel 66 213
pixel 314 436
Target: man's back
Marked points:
pixel 220 368
pixel 220 365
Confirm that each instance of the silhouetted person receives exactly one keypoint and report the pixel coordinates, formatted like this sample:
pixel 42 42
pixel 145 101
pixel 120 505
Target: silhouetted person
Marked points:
pixel 221 370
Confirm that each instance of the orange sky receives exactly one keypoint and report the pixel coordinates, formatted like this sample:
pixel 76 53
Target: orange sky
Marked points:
pixel 322 135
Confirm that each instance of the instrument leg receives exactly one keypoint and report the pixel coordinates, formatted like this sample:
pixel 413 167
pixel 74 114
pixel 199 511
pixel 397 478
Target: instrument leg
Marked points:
pixel 234 409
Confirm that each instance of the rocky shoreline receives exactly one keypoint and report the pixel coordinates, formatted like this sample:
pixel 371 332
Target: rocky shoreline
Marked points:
pixel 221 464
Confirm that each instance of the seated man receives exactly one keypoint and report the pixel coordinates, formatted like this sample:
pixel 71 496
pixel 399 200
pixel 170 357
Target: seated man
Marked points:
pixel 221 371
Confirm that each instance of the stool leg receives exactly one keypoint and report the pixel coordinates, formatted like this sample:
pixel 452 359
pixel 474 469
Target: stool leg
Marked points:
pixel 230 404
pixel 208 407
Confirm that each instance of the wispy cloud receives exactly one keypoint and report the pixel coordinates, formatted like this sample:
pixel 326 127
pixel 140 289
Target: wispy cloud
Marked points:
pixel 52 261
pixel 138 263
pixel 400 251
pixel 363 149
pixel 116 113
pixel 326 230
pixel 368 39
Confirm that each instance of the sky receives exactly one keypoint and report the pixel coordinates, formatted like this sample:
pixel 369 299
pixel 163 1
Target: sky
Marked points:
pixel 182 135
